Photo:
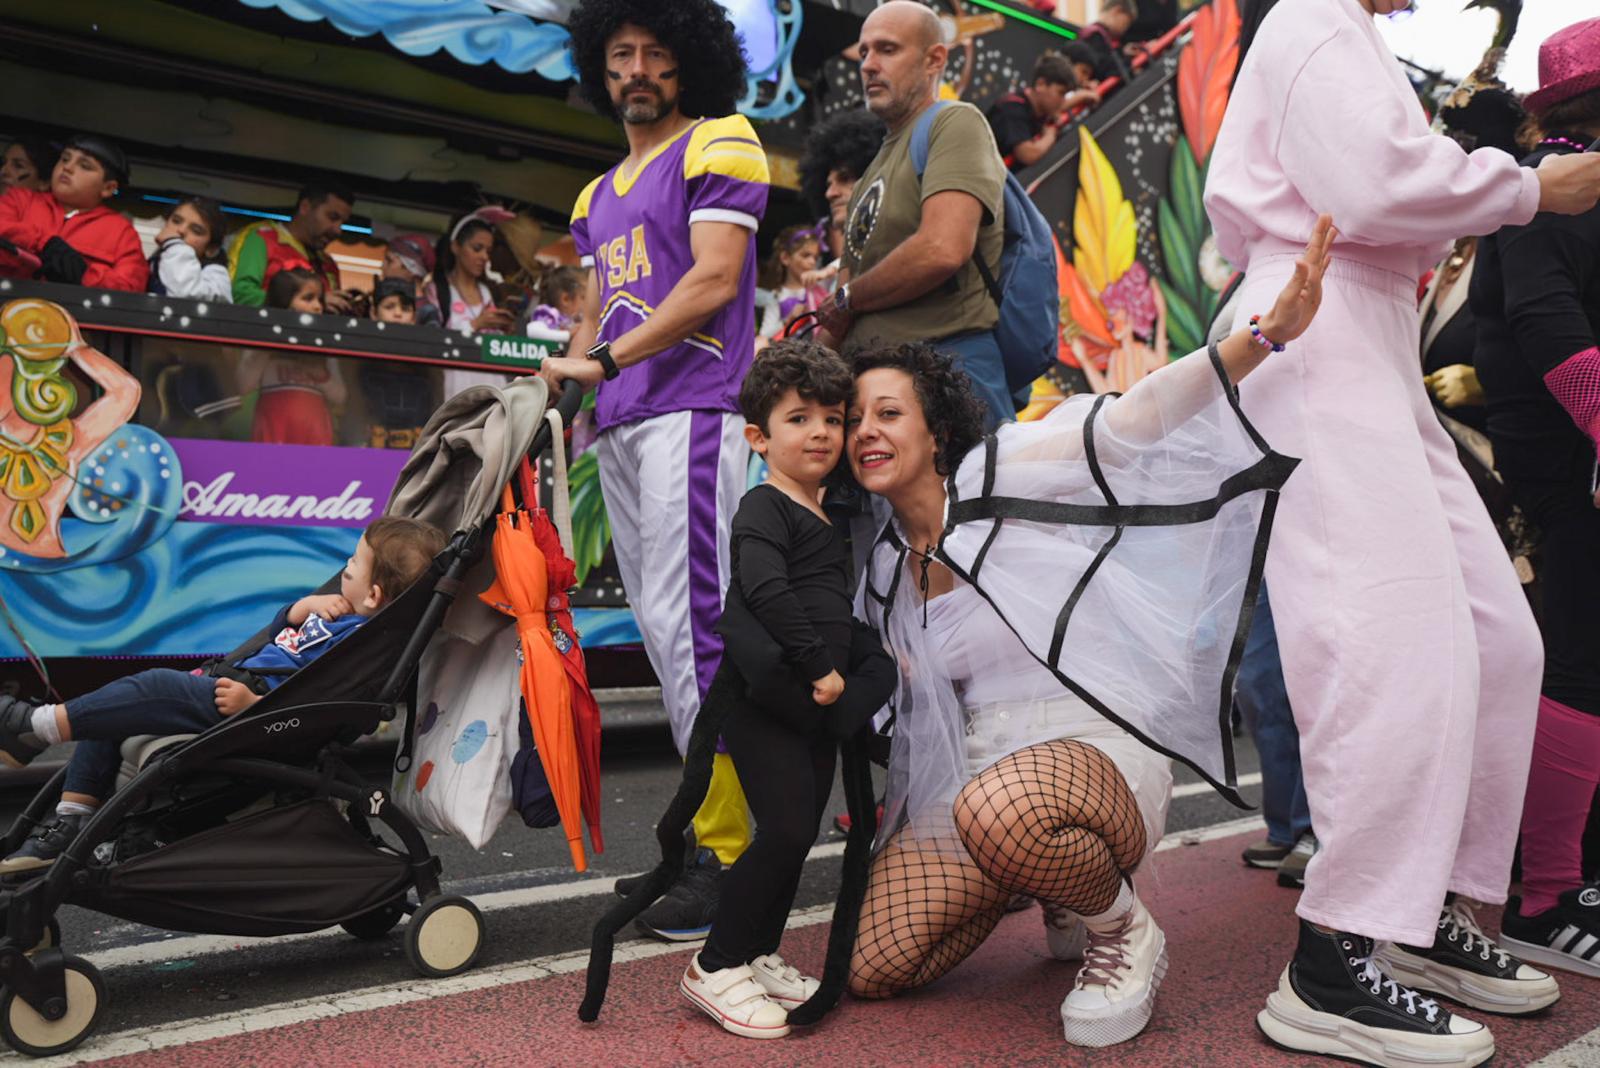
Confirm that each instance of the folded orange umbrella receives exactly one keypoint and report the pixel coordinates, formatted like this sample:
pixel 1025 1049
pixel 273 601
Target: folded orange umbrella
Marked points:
pixel 521 590
pixel 585 709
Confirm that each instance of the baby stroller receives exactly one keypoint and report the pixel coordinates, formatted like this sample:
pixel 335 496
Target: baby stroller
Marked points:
pixel 258 826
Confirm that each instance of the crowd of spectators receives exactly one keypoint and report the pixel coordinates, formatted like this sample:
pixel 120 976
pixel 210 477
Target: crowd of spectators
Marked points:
pixel 59 223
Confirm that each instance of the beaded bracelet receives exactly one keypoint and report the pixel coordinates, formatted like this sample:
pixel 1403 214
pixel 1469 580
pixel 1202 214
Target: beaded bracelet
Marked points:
pixel 1261 339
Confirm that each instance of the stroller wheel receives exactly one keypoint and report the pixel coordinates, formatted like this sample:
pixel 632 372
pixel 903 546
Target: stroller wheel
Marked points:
pixel 50 939
pixel 444 936
pixel 373 925
pixel 26 1031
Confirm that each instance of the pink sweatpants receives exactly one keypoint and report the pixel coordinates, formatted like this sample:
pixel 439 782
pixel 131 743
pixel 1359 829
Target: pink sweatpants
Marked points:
pixel 1561 786
pixel 1412 660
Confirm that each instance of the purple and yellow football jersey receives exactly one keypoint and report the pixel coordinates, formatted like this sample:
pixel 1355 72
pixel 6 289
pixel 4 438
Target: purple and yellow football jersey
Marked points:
pixel 635 234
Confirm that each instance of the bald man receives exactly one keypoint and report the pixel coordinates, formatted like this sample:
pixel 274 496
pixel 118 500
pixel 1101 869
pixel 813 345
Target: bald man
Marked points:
pixel 910 242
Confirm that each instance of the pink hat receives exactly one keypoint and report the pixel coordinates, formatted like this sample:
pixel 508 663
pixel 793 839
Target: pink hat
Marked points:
pixel 1569 65
pixel 414 251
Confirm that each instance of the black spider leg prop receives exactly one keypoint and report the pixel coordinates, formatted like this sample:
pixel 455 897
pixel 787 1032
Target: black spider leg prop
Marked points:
pixel 856 770
pixel 670 834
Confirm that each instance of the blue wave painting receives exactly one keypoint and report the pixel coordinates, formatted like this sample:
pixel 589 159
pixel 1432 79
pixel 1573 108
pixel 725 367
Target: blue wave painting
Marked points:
pixel 201 589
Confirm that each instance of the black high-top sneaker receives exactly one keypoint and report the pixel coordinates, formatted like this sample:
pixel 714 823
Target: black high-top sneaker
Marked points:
pixel 1335 999
pixel 1465 966
pixel 18 744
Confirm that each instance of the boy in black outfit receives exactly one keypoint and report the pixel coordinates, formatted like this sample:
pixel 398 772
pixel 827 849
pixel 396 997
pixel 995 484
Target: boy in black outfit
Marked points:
pixel 790 585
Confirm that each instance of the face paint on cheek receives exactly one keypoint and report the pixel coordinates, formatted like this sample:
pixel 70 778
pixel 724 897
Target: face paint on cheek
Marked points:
pixel 614 75
pixel 668 75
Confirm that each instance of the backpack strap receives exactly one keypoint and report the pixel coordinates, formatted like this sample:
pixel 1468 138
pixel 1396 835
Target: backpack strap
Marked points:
pixel 921 133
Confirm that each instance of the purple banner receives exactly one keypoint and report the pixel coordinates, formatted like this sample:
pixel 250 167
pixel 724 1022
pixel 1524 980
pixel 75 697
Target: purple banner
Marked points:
pixel 285 485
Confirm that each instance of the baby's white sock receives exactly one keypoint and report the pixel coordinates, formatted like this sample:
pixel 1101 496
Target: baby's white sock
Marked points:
pixel 74 808
pixel 44 724
pixel 1119 908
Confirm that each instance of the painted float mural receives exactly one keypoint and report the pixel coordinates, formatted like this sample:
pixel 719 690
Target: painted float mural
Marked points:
pixel 118 541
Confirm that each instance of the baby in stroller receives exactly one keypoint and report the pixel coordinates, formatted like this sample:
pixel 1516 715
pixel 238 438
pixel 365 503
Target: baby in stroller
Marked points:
pixel 392 554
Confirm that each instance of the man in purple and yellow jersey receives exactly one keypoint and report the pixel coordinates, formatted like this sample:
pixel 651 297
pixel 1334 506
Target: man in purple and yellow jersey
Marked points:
pixel 667 334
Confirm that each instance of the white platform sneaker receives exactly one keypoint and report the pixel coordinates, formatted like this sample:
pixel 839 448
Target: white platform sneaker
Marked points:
pixel 1064 933
pixel 1115 992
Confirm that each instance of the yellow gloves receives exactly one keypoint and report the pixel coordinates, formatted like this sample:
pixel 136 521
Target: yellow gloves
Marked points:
pixel 1455 386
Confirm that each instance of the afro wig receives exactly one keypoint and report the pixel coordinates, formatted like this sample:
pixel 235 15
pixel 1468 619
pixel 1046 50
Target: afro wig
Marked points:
pixel 845 141
pixel 698 32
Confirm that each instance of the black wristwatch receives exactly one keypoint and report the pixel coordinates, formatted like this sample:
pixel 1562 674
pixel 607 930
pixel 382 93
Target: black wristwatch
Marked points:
pixel 601 354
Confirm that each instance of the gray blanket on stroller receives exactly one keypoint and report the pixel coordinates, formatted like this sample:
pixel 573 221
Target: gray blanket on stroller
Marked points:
pixel 467 453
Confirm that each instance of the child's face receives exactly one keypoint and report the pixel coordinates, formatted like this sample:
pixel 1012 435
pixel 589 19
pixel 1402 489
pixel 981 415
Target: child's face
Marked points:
pixel 393 268
pixel 392 309
pixel 79 181
pixel 803 439
pixel 308 298
pixel 1085 74
pixel 801 260
pixel 187 224
pixel 355 585
pixel 569 304
pixel 16 168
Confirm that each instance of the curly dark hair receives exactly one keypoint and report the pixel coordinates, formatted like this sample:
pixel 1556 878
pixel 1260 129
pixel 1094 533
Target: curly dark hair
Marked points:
pixel 846 141
pixel 953 412
pixel 816 373
pixel 698 32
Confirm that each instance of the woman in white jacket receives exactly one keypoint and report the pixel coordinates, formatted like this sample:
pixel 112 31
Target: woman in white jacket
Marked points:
pixel 188 259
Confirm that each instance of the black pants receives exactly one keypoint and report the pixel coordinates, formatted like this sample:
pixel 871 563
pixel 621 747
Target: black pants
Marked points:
pixel 787 778
pixel 1569 587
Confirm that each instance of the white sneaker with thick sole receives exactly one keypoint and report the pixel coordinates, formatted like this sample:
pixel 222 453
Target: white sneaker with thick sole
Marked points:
pixel 782 981
pixel 734 999
pixel 1292 1024
pixel 1114 995
pixel 1064 933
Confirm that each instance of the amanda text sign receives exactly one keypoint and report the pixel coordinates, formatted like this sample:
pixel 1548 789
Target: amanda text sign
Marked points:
pixel 289 485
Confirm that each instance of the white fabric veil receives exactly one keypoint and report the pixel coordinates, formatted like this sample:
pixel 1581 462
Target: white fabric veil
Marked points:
pixel 1121 539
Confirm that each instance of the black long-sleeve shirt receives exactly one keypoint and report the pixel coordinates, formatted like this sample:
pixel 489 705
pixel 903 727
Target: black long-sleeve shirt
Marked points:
pixel 791 570
pixel 1536 297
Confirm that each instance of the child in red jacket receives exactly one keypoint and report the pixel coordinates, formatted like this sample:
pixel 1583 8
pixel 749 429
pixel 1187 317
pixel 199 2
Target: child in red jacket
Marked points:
pixel 70 234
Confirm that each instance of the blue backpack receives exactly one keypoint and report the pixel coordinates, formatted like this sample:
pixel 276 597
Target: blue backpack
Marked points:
pixel 1026 292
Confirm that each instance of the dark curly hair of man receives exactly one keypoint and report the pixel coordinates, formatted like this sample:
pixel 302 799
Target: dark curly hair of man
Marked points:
pixel 952 410
pixel 816 373
pixel 699 34
pixel 844 141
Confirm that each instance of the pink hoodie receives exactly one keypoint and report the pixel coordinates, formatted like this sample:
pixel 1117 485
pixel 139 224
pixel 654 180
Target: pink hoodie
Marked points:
pixel 1322 119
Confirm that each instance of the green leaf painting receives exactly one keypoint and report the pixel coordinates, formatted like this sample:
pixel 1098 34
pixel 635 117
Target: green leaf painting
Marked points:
pixel 591 529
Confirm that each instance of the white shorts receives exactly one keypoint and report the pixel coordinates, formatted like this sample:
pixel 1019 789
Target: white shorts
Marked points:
pixel 1000 729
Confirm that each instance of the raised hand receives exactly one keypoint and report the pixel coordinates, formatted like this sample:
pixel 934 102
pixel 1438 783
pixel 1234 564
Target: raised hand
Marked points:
pixel 1297 305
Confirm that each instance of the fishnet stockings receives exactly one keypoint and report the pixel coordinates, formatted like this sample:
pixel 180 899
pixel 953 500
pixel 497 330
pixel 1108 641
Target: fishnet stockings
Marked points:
pixel 1055 821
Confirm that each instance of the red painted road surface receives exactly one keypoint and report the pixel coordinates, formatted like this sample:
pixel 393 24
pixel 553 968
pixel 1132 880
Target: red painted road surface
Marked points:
pixel 1229 930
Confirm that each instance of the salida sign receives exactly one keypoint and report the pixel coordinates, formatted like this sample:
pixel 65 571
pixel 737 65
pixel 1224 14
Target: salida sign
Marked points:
pixel 514 351
pixel 297 485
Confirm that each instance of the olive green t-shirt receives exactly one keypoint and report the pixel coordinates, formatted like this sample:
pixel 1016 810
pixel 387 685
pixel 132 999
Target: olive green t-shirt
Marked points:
pixel 886 208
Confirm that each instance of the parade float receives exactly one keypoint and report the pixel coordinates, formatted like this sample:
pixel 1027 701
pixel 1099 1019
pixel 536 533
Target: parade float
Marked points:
pixel 143 521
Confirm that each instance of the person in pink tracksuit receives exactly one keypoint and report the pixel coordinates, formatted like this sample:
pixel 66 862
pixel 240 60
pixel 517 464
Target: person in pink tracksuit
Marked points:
pixel 1412 660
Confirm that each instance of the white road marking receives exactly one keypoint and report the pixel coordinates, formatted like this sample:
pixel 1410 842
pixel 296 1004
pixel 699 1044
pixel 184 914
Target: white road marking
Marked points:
pixel 1189 789
pixel 283 1014
pixel 1581 1052
pixel 368 998
pixel 325 1006
pixel 187 947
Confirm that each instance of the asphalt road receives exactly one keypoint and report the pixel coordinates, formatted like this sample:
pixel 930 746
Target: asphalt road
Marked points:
pixel 535 905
